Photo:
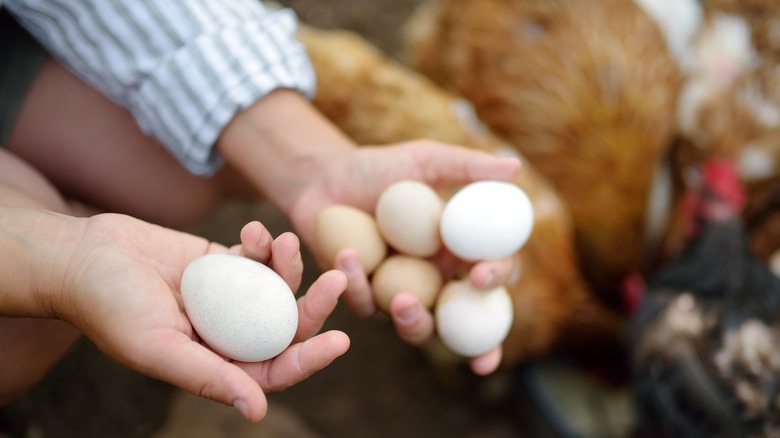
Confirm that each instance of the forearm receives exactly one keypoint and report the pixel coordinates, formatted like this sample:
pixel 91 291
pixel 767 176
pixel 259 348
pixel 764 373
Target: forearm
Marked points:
pixel 182 69
pixel 32 245
pixel 281 144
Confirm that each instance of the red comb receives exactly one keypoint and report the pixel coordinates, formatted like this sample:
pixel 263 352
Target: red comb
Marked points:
pixel 721 177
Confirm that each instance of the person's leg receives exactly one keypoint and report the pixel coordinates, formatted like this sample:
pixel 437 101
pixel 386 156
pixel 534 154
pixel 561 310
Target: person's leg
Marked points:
pixel 92 150
pixel 29 346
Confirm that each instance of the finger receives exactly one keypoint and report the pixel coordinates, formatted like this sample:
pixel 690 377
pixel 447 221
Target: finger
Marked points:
pixel 489 274
pixel 449 265
pixel 358 295
pixel 286 259
pixel 256 242
pixel 413 322
pixel 299 361
pixel 179 361
pixel 318 303
pixel 486 363
pixel 462 164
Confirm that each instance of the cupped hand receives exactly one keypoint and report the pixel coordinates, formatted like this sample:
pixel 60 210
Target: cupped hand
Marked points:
pixel 122 291
pixel 358 177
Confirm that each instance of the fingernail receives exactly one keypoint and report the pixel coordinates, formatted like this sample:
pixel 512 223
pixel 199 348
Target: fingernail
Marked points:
pixel 242 407
pixel 408 315
pixel 489 280
pixel 265 238
pixel 479 365
pixel 517 272
pixel 349 265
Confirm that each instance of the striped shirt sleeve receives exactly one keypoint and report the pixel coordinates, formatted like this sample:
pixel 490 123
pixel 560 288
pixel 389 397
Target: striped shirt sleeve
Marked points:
pixel 182 67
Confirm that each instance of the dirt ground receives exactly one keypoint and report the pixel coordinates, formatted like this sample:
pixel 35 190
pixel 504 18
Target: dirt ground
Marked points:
pixel 380 388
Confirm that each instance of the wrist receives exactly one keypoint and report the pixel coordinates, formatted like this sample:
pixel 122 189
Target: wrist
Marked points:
pixel 282 144
pixel 34 247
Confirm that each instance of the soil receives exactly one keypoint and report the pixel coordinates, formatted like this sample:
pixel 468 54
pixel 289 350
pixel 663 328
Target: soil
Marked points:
pixel 380 388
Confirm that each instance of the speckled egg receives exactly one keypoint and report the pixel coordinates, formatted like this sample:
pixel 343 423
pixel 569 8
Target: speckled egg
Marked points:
pixel 239 307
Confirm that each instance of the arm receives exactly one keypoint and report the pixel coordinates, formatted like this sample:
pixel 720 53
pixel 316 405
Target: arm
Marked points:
pixel 183 68
pixel 31 243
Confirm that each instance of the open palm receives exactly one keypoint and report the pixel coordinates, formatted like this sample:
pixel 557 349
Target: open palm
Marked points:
pixel 123 293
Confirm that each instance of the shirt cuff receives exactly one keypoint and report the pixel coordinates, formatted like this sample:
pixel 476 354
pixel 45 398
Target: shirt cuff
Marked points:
pixel 189 99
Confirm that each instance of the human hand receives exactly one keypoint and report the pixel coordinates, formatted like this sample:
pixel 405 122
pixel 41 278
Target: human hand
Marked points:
pixel 358 177
pixel 119 285
pixel 292 154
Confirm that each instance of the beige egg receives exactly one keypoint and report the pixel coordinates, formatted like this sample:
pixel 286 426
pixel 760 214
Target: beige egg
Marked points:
pixel 401 273
pixel 408 213
pixel 343 226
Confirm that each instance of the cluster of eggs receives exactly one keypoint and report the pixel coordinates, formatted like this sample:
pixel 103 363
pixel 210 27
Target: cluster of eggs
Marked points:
pixel 484 220
pixel 245 311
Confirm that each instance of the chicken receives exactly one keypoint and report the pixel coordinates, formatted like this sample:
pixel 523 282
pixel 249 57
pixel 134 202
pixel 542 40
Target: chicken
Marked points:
pixel 720 106
pixel 730 103
pixel 586 90
pixel 376 100
pixel 763 16
pixel 706 339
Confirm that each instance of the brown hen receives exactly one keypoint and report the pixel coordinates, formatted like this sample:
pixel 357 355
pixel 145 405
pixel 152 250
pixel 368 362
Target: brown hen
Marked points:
pixel 586 90
pixel 376 100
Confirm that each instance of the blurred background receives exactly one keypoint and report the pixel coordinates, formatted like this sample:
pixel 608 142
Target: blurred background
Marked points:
pixel 649 135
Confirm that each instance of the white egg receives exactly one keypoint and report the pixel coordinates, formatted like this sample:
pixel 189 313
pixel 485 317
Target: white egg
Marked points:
pixel 487 220
pixel 470 321
pixel 239 307
pixel 407 213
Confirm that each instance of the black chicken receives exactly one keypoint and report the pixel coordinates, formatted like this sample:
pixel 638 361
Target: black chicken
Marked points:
pixel 706 337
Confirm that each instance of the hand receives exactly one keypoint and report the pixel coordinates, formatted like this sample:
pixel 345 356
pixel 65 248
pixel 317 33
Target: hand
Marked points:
pixel 120 287
pixel 289 152
pixel 358 177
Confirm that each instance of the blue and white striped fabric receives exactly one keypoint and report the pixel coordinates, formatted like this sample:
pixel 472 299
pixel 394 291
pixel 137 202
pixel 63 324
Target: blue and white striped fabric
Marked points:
pixel 182 67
